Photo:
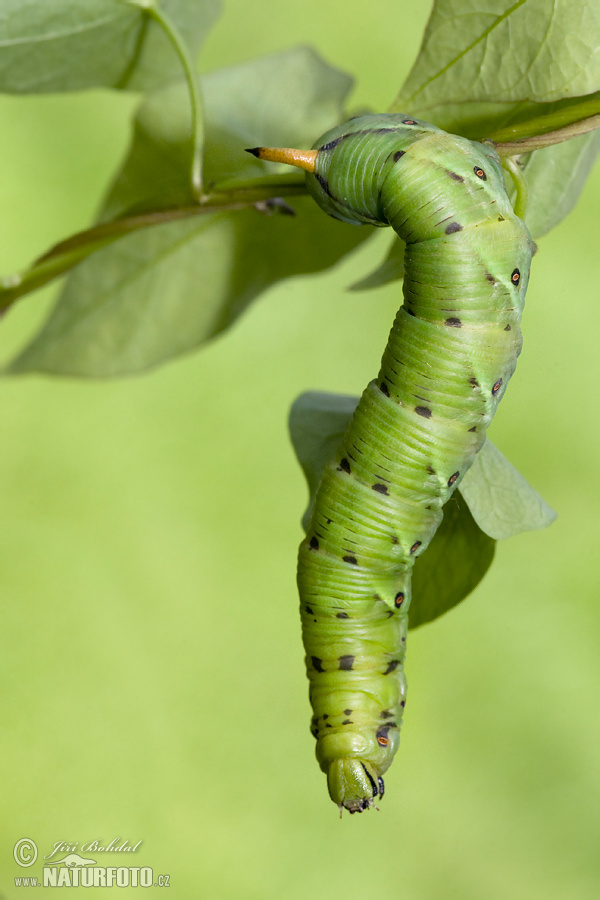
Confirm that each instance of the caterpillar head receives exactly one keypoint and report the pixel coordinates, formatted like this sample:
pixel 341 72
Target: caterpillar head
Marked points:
pixel 353 784
pixel 354 762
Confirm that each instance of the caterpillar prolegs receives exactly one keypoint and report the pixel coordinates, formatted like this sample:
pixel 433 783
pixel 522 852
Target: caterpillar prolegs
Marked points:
pixel 418 426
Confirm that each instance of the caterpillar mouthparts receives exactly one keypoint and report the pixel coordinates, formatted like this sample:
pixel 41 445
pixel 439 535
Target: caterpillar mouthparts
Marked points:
pixel 353 784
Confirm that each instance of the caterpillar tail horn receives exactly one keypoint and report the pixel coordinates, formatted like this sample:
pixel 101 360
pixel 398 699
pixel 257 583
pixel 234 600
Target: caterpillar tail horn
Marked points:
pixel 302 159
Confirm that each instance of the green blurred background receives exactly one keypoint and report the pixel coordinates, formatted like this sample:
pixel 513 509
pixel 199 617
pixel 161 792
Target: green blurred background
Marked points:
pixel 152 674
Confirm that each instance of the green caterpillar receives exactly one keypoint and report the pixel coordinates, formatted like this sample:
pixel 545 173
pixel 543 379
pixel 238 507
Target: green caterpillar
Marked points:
pixel 418 426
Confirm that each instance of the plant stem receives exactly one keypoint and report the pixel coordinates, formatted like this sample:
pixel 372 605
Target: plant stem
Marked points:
pixel 156 12
pixel 539 141
pixel 65 255
pixel 515 171
pixel 577 111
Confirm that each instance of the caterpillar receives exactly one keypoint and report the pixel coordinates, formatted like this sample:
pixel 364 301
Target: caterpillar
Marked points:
pixel 418 426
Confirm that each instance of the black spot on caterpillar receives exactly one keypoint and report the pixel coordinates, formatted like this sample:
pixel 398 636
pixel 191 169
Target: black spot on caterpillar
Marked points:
pixel 352 174
pixel 346 662
pixel 382 736
pixel 380 488
pixel 332 144
pixel 323 183
pixel 423 411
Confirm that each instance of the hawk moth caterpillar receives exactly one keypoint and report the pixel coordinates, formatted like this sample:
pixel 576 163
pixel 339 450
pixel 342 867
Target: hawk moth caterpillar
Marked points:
pixel 418 426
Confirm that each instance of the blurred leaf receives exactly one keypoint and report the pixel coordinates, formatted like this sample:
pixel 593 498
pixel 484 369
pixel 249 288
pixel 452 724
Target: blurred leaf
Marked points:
pixel 67 45
pixel 287 99
pixel 455 562
pixel 459 554
pixel 501 501
pixel 482 65
pixel 165 290
pixel 391 269
pixel 317 423
pixel 555 178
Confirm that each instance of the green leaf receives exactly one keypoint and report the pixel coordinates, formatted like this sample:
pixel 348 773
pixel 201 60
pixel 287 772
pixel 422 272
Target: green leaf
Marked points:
pixel 455 562
pixel 286 99
pixel 460 552
pixel 165 290
pixel 555 178
pixel 501 501
pixel 485 64
pixel 70 45
pixel 391 269
pixel 317 423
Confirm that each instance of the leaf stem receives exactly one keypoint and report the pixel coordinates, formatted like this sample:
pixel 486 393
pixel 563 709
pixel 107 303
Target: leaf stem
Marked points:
pixel 515 171
pixel 65 255
pixel 155 11
pixel 576 110
pixel 539 141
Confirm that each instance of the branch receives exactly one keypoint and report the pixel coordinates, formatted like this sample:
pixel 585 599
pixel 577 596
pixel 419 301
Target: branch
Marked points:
pixel 539 141
pixel 65 255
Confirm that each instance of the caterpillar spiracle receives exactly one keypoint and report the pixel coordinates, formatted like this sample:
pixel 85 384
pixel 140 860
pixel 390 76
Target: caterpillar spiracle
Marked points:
pixel 418 426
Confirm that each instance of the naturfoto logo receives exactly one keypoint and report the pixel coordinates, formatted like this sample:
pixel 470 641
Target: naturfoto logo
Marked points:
pixel 68 865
